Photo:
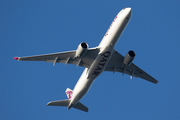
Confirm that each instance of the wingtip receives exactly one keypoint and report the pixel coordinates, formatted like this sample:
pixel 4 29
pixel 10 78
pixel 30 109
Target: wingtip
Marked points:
pixel 48 103
pixel 16 58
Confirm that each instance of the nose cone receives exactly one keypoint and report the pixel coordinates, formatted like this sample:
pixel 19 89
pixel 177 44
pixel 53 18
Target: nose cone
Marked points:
pixel 128 12
pixel 128 9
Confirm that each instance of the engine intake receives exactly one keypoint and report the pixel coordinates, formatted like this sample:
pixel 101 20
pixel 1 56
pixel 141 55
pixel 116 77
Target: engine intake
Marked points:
pixel 81 50
pixel 129 58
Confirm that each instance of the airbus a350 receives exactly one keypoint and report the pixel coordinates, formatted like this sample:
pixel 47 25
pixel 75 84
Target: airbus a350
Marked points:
pixel 95 60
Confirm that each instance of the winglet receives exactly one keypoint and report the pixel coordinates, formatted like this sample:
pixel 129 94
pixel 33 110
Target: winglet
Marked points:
pixel 16 58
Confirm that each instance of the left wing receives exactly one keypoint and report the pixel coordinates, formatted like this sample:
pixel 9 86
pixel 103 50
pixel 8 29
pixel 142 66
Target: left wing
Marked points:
pixel 65 57
pixel 115 65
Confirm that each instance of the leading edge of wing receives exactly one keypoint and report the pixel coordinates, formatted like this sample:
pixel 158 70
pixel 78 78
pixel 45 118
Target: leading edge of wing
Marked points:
pixel 46 57
pixel 65 57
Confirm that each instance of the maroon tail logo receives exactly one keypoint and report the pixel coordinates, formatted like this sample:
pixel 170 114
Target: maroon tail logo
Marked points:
pixel 69 94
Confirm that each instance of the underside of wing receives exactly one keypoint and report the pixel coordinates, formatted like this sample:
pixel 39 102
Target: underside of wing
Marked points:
pixel 65 57
pixel 116 65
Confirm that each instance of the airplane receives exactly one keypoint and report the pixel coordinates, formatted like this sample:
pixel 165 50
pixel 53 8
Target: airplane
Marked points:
pixel 95 60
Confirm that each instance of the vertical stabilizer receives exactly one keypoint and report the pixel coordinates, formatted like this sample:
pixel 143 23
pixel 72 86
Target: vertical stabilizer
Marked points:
pixel 69 93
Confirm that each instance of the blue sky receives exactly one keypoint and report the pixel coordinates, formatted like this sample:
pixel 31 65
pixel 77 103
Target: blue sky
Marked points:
pixel 38 27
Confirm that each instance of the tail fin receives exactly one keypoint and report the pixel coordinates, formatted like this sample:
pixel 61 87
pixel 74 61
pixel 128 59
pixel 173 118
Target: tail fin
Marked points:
pixel 69 93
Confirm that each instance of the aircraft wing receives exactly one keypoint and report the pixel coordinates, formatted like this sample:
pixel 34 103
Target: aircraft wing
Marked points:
pixel 115 65
pixel 65 57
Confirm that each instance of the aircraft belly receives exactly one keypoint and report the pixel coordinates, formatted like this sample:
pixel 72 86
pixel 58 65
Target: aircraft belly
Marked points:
pixel 82 87
pixel 100 63
pixel 89 75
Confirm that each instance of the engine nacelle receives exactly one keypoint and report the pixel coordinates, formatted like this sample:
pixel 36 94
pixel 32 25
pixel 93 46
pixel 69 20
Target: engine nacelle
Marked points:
pixel 129 58
pixel 81 50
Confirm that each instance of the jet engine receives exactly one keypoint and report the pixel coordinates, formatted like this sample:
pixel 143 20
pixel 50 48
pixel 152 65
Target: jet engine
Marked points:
pixel 81 50
pixel 129 58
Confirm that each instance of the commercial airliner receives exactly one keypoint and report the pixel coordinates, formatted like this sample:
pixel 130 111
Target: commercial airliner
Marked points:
pixel 95 60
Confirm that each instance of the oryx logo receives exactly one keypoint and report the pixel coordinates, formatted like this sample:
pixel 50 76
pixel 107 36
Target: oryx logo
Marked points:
pixel 69 94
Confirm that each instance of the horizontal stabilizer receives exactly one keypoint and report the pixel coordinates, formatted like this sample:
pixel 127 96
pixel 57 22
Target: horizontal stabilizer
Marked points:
pixel 80 106
pixel 59 103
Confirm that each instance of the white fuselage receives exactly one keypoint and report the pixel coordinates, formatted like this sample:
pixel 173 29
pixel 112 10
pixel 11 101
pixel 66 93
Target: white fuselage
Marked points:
pixel 106 50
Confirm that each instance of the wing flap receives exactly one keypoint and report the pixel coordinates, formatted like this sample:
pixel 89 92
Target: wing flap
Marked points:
pixel 73 61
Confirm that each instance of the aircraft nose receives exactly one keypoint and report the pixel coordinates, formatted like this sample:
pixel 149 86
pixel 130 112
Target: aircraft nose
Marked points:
pixel 128 11
pixel 128 8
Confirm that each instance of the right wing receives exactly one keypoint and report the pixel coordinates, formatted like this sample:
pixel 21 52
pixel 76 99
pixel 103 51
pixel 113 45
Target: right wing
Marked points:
pixel 116 65
pixel 65 57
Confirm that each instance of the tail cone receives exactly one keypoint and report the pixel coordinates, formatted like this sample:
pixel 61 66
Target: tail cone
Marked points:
pixel 70 106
